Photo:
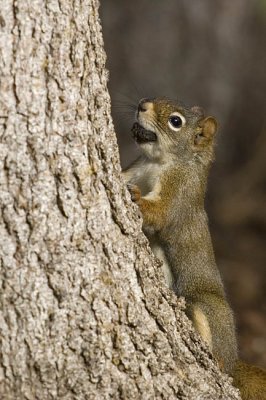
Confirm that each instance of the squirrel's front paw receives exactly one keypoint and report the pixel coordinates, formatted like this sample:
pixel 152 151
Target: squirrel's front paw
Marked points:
pixel 134 191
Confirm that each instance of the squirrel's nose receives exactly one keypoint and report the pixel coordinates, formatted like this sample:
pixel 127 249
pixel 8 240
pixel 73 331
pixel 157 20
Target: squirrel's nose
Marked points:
pixel 144 105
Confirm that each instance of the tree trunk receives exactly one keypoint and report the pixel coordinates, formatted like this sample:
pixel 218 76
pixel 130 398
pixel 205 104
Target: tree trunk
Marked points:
pixel 85 313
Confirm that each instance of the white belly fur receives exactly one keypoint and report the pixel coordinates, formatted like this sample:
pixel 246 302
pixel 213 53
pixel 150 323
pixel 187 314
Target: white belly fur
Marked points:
pixel 159 252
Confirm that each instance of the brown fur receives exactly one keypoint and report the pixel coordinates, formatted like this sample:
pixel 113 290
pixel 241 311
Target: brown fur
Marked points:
pixel 251 381
pixel 168 182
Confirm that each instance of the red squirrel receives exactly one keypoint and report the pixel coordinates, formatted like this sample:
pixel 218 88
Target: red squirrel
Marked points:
pixel 168 183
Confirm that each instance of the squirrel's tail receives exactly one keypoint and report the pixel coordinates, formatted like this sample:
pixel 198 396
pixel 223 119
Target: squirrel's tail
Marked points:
pixel 250 380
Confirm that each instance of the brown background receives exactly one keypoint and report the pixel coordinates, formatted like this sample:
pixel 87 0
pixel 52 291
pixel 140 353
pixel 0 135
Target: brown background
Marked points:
pixel 211 54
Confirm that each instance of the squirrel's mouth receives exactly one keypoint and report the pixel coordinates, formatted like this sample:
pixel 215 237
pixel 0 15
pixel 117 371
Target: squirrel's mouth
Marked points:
pixel 142 135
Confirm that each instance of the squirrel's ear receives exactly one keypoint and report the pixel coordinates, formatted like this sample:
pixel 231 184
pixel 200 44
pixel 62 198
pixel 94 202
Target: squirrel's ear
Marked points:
pixel 206 131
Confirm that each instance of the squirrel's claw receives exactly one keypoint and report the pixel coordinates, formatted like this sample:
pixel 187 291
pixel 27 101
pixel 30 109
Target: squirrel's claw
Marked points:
pixel 134 191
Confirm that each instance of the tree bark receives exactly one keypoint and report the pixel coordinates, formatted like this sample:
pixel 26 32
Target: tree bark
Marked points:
pixel 85 313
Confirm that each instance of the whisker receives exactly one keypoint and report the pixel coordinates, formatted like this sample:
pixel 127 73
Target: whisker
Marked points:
pixel 124 106
pixel 121 115
pixel 129 100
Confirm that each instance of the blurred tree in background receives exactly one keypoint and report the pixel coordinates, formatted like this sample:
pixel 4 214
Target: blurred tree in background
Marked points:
pixel 211 54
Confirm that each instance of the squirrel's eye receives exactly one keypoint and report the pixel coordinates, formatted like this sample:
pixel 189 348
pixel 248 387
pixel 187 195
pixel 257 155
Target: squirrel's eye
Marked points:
pixel 176 121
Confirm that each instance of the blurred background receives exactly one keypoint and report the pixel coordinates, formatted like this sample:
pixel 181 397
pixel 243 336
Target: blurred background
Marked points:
pixel 212 54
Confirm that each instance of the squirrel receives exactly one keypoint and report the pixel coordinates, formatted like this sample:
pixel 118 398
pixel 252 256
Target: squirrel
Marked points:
pixel 168 183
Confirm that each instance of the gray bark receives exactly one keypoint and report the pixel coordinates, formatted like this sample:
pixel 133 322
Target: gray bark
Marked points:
pixel 85 313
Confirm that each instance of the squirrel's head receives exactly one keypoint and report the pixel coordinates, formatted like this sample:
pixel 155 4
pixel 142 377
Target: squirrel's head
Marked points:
pixel 164 128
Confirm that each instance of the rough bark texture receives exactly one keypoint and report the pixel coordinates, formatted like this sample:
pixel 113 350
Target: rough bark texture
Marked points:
pixel 84 313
